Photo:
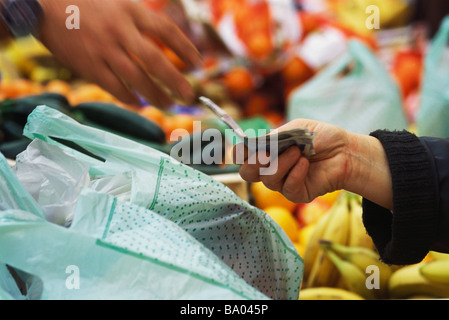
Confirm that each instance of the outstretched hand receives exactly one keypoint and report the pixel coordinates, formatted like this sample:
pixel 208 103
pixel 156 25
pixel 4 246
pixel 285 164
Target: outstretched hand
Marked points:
pixel 113 48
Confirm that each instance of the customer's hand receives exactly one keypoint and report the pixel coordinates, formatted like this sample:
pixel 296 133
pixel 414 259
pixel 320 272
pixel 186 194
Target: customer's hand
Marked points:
pixel 343 160
pixel 113 48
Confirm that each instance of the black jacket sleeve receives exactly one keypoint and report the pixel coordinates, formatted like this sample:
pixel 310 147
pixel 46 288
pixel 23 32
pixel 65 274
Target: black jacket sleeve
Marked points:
pixel 420 219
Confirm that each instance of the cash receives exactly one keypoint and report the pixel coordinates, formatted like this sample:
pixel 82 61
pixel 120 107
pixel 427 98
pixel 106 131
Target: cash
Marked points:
pixel 281 141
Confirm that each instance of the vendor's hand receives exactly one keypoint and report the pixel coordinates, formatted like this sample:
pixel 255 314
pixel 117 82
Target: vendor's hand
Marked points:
pixel 343 160
pixel 112 48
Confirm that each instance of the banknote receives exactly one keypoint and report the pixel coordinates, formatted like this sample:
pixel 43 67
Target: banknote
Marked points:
pixel 273 143
pixel 281 141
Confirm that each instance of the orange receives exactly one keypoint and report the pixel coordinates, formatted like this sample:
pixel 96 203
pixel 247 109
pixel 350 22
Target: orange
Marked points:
pixel 275 119
pixel 154 114
pixel 90 93
pixel 239 82
pixel 265 197
pixel 309 22
pixel 285 220
pixel 330 197
pixel 296 71
pixel 300 248
pixel 311 212
pixel 178 121
pixel 18 88
pixel 407 69
pixel 260 45
pixel 58 86
pixel 256 105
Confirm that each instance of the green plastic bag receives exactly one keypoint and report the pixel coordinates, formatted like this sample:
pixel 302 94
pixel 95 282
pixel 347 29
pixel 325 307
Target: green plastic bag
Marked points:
pixel 433 114
pixel 175 234
pixel 354 92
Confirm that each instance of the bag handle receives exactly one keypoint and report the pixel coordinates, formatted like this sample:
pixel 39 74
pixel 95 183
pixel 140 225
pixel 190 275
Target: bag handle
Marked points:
pixel 23 199
pixel 438 45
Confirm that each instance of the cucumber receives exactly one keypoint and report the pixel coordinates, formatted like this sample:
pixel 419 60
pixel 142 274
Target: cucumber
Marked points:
pixel 121 120
pixel 18 110
pixel 11 130
pixel 12 148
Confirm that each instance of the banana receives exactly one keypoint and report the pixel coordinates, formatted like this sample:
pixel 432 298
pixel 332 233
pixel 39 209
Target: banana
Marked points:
pixel 355 278
pixel 436 271
pixel 434 255
pixel 408 282
pixel 364 259
pixel 312 245
pixel 324 272
pixel 328 293
pixel 358 237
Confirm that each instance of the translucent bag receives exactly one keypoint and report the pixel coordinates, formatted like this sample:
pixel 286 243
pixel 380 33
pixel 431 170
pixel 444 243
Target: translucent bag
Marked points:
pixel 177 234
pixel 354 92
pixel 433 115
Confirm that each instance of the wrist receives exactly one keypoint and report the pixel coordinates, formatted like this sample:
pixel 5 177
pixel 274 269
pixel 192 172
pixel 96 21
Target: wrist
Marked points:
pixel 368 172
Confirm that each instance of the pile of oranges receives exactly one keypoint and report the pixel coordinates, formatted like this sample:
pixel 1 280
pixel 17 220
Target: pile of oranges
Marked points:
pixel 88 92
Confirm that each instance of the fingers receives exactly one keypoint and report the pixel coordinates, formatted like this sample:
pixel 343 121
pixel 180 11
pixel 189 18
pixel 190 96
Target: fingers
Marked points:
pixel 166 31
pixel 152 57
pixel 156 64
pixel 293 186
pixel 271 174
pixel 134 76
pixel 282 166
pixel 112 83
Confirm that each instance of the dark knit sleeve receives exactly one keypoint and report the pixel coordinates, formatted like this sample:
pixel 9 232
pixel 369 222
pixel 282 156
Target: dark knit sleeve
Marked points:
pixel 405 235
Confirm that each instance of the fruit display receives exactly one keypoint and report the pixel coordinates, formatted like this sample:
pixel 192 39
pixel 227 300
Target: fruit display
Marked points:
pixel 341 261
pixel 256 53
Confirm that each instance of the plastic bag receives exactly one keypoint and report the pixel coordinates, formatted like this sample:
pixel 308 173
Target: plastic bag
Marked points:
pixel 433 114
pixel 53 178
pixel 354 92
pixel 178 234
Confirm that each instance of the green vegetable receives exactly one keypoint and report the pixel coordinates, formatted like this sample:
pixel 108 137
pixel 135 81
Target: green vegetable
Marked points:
pixel 121 120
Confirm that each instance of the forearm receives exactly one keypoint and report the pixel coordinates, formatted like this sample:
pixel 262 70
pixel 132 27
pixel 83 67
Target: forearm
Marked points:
pixel 368 170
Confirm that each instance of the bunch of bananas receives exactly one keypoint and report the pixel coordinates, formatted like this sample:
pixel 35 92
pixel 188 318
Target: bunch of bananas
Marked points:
pixel 343 225
pixel 341 263
pixel 425 280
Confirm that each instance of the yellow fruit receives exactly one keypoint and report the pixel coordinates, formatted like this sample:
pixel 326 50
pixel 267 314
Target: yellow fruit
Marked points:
pixel 330 197
pixel 305 233
pixel 285 220
pixel 265 197
pixel 300 248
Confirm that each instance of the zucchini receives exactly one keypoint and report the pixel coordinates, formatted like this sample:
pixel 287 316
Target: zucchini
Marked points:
pixel 121 120
pixel 12 148
pixel 18 110
pixel 11 130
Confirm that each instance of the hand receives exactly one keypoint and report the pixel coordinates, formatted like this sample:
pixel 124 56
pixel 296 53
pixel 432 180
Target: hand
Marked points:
pixel 113 48
pixel 301 179
pixel 343 160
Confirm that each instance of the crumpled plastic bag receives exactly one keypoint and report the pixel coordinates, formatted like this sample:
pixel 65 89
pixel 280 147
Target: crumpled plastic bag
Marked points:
pixel 172 233
pixel 53 178
pixel 433 114
pixel 354 92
